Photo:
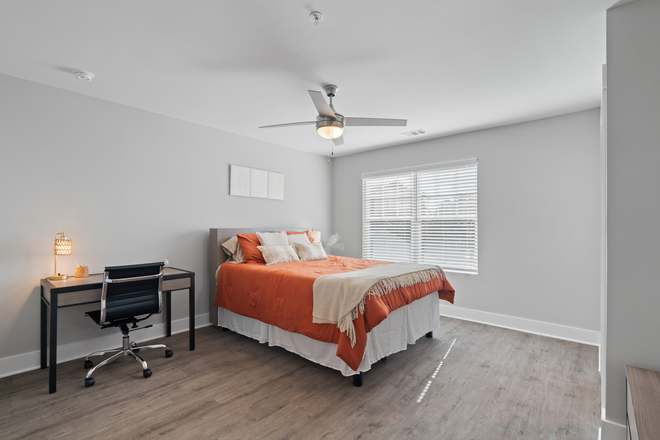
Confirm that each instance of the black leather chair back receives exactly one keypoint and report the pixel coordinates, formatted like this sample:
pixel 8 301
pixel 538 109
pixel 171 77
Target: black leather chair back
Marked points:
pixel 130 291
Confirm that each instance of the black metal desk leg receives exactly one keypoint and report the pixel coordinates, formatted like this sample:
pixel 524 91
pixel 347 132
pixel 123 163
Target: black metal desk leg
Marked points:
pixel 191 313
pixel 168 314
pixel 44 331
pixel 52 372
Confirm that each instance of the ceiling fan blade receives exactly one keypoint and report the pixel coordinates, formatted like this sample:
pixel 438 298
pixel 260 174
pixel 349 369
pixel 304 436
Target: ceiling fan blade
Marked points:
pixel 290 124
pixel 321 106
pixel 374 122
pixel 338 141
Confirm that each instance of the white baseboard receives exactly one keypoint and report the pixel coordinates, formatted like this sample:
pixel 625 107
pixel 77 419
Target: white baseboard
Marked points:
pixel 612 431
pixel 32 360
pixel 583 336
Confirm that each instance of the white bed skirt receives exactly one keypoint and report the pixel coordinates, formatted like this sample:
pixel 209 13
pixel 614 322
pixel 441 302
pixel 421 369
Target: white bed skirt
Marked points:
pixel 402 327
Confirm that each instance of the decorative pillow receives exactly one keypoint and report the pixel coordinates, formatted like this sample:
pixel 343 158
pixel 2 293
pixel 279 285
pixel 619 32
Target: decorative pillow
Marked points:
pixel 298 233
pixel 249 245
pixel 298 238
pixel 278 254
pixel 310 252
pixel 234 251
pixel 272 238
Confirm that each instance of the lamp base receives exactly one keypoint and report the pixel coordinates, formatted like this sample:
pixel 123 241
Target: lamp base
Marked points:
pixel 58 277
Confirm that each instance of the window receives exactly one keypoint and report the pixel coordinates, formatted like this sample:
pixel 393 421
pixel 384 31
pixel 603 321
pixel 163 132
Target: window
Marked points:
pixel 424 214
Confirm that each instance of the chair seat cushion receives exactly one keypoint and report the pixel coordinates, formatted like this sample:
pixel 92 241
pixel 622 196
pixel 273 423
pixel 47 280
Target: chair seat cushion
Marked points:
pixel 96 316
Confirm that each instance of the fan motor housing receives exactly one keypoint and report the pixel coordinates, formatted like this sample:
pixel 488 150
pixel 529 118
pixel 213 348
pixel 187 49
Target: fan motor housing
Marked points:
pixel 324 121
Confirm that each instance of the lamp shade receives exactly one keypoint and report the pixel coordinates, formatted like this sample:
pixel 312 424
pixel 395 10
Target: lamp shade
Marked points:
pixel 63 245
pixel 315 236
pixel 330 131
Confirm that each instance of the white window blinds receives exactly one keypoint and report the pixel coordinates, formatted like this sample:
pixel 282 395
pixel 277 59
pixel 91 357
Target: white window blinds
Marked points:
pixel 424 214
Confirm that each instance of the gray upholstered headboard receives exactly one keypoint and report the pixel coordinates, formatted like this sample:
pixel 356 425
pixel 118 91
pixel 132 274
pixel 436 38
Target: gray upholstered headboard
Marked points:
pixel 217 256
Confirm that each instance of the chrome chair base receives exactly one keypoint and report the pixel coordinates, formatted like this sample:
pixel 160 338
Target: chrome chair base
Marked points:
pixel 128 349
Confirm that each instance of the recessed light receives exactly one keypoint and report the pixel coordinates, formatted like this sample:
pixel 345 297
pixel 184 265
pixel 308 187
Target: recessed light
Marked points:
pixel 84 76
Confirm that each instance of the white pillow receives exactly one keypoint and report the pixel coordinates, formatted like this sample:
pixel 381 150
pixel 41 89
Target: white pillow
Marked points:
pixel 298 238
pixel 233 249
pixel 310 252
pixel 278 254
pixel 272 238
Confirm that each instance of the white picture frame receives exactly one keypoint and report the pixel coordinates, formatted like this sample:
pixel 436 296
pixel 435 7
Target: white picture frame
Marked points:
pixel 258 183
pixel 239 181
pixel 275 186
pixel 253 182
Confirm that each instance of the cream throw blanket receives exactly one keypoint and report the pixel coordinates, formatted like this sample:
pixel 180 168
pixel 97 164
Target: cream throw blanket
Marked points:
pixel 338 298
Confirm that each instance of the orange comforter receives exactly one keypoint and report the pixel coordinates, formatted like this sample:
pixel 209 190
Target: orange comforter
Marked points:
pixel 281 295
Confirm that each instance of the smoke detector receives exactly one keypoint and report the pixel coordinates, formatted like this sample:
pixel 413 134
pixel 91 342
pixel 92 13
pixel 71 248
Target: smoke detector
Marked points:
pixel 316 16
pixel 84 76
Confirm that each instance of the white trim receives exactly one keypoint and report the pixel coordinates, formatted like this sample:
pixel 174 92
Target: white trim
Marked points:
pixel 612 431
pixel 574 334
pixel 614 423
pixel 430 166
pixel 23 362
pixel 602 355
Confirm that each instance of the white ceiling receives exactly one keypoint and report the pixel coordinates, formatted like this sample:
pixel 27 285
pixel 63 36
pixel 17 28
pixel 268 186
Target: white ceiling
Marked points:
pixel 448 66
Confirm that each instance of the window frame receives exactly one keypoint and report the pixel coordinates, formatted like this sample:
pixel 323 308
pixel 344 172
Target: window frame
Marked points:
pixel 417 244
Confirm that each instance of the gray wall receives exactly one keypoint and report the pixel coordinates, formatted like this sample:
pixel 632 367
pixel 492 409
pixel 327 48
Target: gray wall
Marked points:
pixel 128 186
pixel 539 215
pixel 633 145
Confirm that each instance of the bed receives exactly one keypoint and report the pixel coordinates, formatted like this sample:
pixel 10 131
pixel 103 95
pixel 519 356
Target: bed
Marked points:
pixel 235 290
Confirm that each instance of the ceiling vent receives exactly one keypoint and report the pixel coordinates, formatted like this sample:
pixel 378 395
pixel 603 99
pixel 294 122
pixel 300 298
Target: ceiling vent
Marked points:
pixel 414 133
pixel 83 76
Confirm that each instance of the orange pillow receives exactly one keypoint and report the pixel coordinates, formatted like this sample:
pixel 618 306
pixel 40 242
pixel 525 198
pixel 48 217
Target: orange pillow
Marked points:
pixel 249 243
pixel 303 232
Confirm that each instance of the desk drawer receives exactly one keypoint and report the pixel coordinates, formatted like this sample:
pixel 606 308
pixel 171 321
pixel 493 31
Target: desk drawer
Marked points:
pixel 176 284
pixel 86 296
pixel 83 296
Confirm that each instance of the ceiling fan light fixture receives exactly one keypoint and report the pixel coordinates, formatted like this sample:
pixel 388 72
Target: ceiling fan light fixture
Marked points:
pixel 330 131
pixel 330 128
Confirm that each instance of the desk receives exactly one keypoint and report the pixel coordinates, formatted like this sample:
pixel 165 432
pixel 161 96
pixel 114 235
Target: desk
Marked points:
pixel 77 291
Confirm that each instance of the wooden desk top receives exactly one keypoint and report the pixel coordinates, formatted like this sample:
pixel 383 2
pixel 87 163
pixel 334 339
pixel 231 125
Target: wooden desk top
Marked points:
pixel 97 278
pixel 645 393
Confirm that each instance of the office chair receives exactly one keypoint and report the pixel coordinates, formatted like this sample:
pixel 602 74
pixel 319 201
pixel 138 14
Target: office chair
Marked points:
pixel 128 292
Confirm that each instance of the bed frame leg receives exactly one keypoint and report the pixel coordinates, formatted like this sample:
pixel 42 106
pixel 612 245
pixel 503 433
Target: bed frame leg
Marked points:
pixel 429 334
pixel 357 380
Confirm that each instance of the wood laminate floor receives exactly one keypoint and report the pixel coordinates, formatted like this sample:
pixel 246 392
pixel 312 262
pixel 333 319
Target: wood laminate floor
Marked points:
pixel 493 384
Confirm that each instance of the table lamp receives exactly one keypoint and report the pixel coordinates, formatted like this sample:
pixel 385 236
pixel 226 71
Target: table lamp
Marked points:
pixel 315 236
pixel 63 246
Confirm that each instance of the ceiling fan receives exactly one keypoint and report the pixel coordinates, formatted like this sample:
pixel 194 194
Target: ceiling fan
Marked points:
pixel 330 124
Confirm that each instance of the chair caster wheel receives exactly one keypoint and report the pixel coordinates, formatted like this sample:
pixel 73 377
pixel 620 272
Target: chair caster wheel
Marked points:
pixel 146 373
pixel 88 364
pixel 135 350
pixel 89 381
pixel 169 353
